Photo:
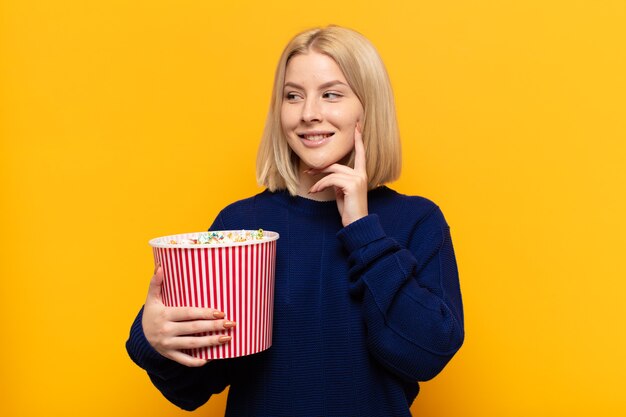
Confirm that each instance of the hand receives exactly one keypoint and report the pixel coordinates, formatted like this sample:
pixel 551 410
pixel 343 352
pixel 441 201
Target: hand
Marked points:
pixel 350 183
pixel 170 329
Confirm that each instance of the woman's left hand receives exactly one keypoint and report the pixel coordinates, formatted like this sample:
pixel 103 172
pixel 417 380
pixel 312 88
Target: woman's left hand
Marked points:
pixel 350 183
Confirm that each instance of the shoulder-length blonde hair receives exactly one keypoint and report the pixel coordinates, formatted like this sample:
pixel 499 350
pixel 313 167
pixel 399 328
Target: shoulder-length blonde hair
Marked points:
pixel 277 165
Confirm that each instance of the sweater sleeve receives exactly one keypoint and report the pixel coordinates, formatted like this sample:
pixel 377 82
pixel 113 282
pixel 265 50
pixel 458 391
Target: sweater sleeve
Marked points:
pixel 410 295
pixel 186 387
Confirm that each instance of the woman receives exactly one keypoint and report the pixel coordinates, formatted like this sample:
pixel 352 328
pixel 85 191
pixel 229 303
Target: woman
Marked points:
pixel 367 298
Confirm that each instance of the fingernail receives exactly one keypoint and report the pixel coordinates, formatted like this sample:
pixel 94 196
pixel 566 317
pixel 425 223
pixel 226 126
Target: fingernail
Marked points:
pixel 218 314
pixel 224 339
pixel 229 324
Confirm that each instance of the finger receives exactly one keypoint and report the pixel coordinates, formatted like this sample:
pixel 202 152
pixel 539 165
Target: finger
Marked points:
pixel 186 360
pixel 156 284
pixel 339 180
pixel 198 342
pixel 331 169
pixel 201 326
pixel 333 180
pixel 193 313
pixel 359 151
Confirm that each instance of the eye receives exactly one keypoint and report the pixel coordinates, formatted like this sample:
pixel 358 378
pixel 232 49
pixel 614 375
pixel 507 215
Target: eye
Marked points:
pixel 291 96
pixel 332 95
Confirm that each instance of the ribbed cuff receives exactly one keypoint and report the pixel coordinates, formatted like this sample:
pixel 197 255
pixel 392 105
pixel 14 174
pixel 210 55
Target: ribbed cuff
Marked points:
pixel 361 232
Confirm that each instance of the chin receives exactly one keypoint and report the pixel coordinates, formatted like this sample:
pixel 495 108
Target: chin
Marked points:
pixel 317 166
pixel 321 163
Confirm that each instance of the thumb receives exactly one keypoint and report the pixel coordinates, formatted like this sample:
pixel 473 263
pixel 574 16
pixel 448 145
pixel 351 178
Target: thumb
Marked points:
pixel 156 284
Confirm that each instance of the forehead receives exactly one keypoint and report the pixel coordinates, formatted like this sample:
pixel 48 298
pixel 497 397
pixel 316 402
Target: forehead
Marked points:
pixel 313 67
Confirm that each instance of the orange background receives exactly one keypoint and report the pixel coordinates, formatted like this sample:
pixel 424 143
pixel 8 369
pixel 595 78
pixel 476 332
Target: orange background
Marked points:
pixel 125 120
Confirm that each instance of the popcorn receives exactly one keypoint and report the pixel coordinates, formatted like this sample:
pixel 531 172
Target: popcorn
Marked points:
pixel 233 266
pixel 209 238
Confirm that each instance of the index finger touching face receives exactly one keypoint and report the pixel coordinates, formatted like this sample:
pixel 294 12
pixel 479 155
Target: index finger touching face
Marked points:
pixel 359 149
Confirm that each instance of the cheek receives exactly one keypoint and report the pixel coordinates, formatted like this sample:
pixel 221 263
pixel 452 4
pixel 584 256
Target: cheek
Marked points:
pixel 283 117
pixel 358 112
pixel 346 116
pixel 286 117
pixel 341 117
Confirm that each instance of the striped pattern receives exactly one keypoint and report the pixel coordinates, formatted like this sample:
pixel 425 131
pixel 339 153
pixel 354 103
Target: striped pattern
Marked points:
pixel 238 280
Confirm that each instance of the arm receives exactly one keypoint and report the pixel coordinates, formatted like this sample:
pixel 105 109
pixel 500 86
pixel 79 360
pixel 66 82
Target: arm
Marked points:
pixel 158 335
pixel 186 387
pixel 410 296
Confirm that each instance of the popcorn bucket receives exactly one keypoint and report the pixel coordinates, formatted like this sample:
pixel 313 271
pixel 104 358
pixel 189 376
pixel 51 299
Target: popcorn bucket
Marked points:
pixel 236 277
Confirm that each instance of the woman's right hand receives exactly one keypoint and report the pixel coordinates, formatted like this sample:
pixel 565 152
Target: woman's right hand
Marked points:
pixel 171 329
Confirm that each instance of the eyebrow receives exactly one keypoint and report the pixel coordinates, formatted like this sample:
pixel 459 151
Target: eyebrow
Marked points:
pixel 321 87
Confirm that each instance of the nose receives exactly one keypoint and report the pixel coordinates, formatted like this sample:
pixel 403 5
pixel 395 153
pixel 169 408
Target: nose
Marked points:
pixel 311 111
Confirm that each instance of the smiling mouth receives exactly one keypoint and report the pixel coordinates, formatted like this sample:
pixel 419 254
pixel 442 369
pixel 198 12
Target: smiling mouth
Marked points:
pixel 315 136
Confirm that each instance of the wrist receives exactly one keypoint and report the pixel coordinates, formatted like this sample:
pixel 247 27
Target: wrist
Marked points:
pixel 361 232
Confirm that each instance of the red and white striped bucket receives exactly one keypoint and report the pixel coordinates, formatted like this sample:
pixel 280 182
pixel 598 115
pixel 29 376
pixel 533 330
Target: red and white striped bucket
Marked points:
pixel 236 278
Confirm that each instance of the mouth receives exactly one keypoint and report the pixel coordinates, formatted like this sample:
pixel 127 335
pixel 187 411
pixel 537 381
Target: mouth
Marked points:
pixel 315 136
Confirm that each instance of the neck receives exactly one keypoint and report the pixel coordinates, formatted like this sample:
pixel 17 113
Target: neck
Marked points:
pixel 306 181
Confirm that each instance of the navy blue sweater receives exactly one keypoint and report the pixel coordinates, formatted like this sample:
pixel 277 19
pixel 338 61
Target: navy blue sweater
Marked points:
pixel 362 313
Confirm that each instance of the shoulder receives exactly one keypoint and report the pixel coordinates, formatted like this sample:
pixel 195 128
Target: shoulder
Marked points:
pixel 406 208
pixel 242 212
pixel 263 198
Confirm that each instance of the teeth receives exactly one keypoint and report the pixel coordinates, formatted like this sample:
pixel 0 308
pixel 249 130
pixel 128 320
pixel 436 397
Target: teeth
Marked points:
pixel 316 137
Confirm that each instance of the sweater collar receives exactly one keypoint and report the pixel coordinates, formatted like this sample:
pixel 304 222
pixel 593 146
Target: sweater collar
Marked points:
pixel 310 206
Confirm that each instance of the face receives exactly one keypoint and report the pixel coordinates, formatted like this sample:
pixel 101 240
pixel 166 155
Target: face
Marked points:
pixel 319 111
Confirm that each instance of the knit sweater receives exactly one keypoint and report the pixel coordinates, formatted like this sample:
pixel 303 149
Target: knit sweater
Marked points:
pixel 361 313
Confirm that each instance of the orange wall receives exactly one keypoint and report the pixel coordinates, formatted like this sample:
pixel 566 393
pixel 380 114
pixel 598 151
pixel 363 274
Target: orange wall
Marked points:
pixel 125 120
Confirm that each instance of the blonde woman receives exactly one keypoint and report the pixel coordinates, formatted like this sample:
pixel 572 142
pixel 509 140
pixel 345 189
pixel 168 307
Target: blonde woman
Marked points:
pixel 367 297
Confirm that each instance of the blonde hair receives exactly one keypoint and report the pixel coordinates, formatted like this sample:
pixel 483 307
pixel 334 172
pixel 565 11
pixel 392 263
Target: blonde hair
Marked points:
pixel 366 74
